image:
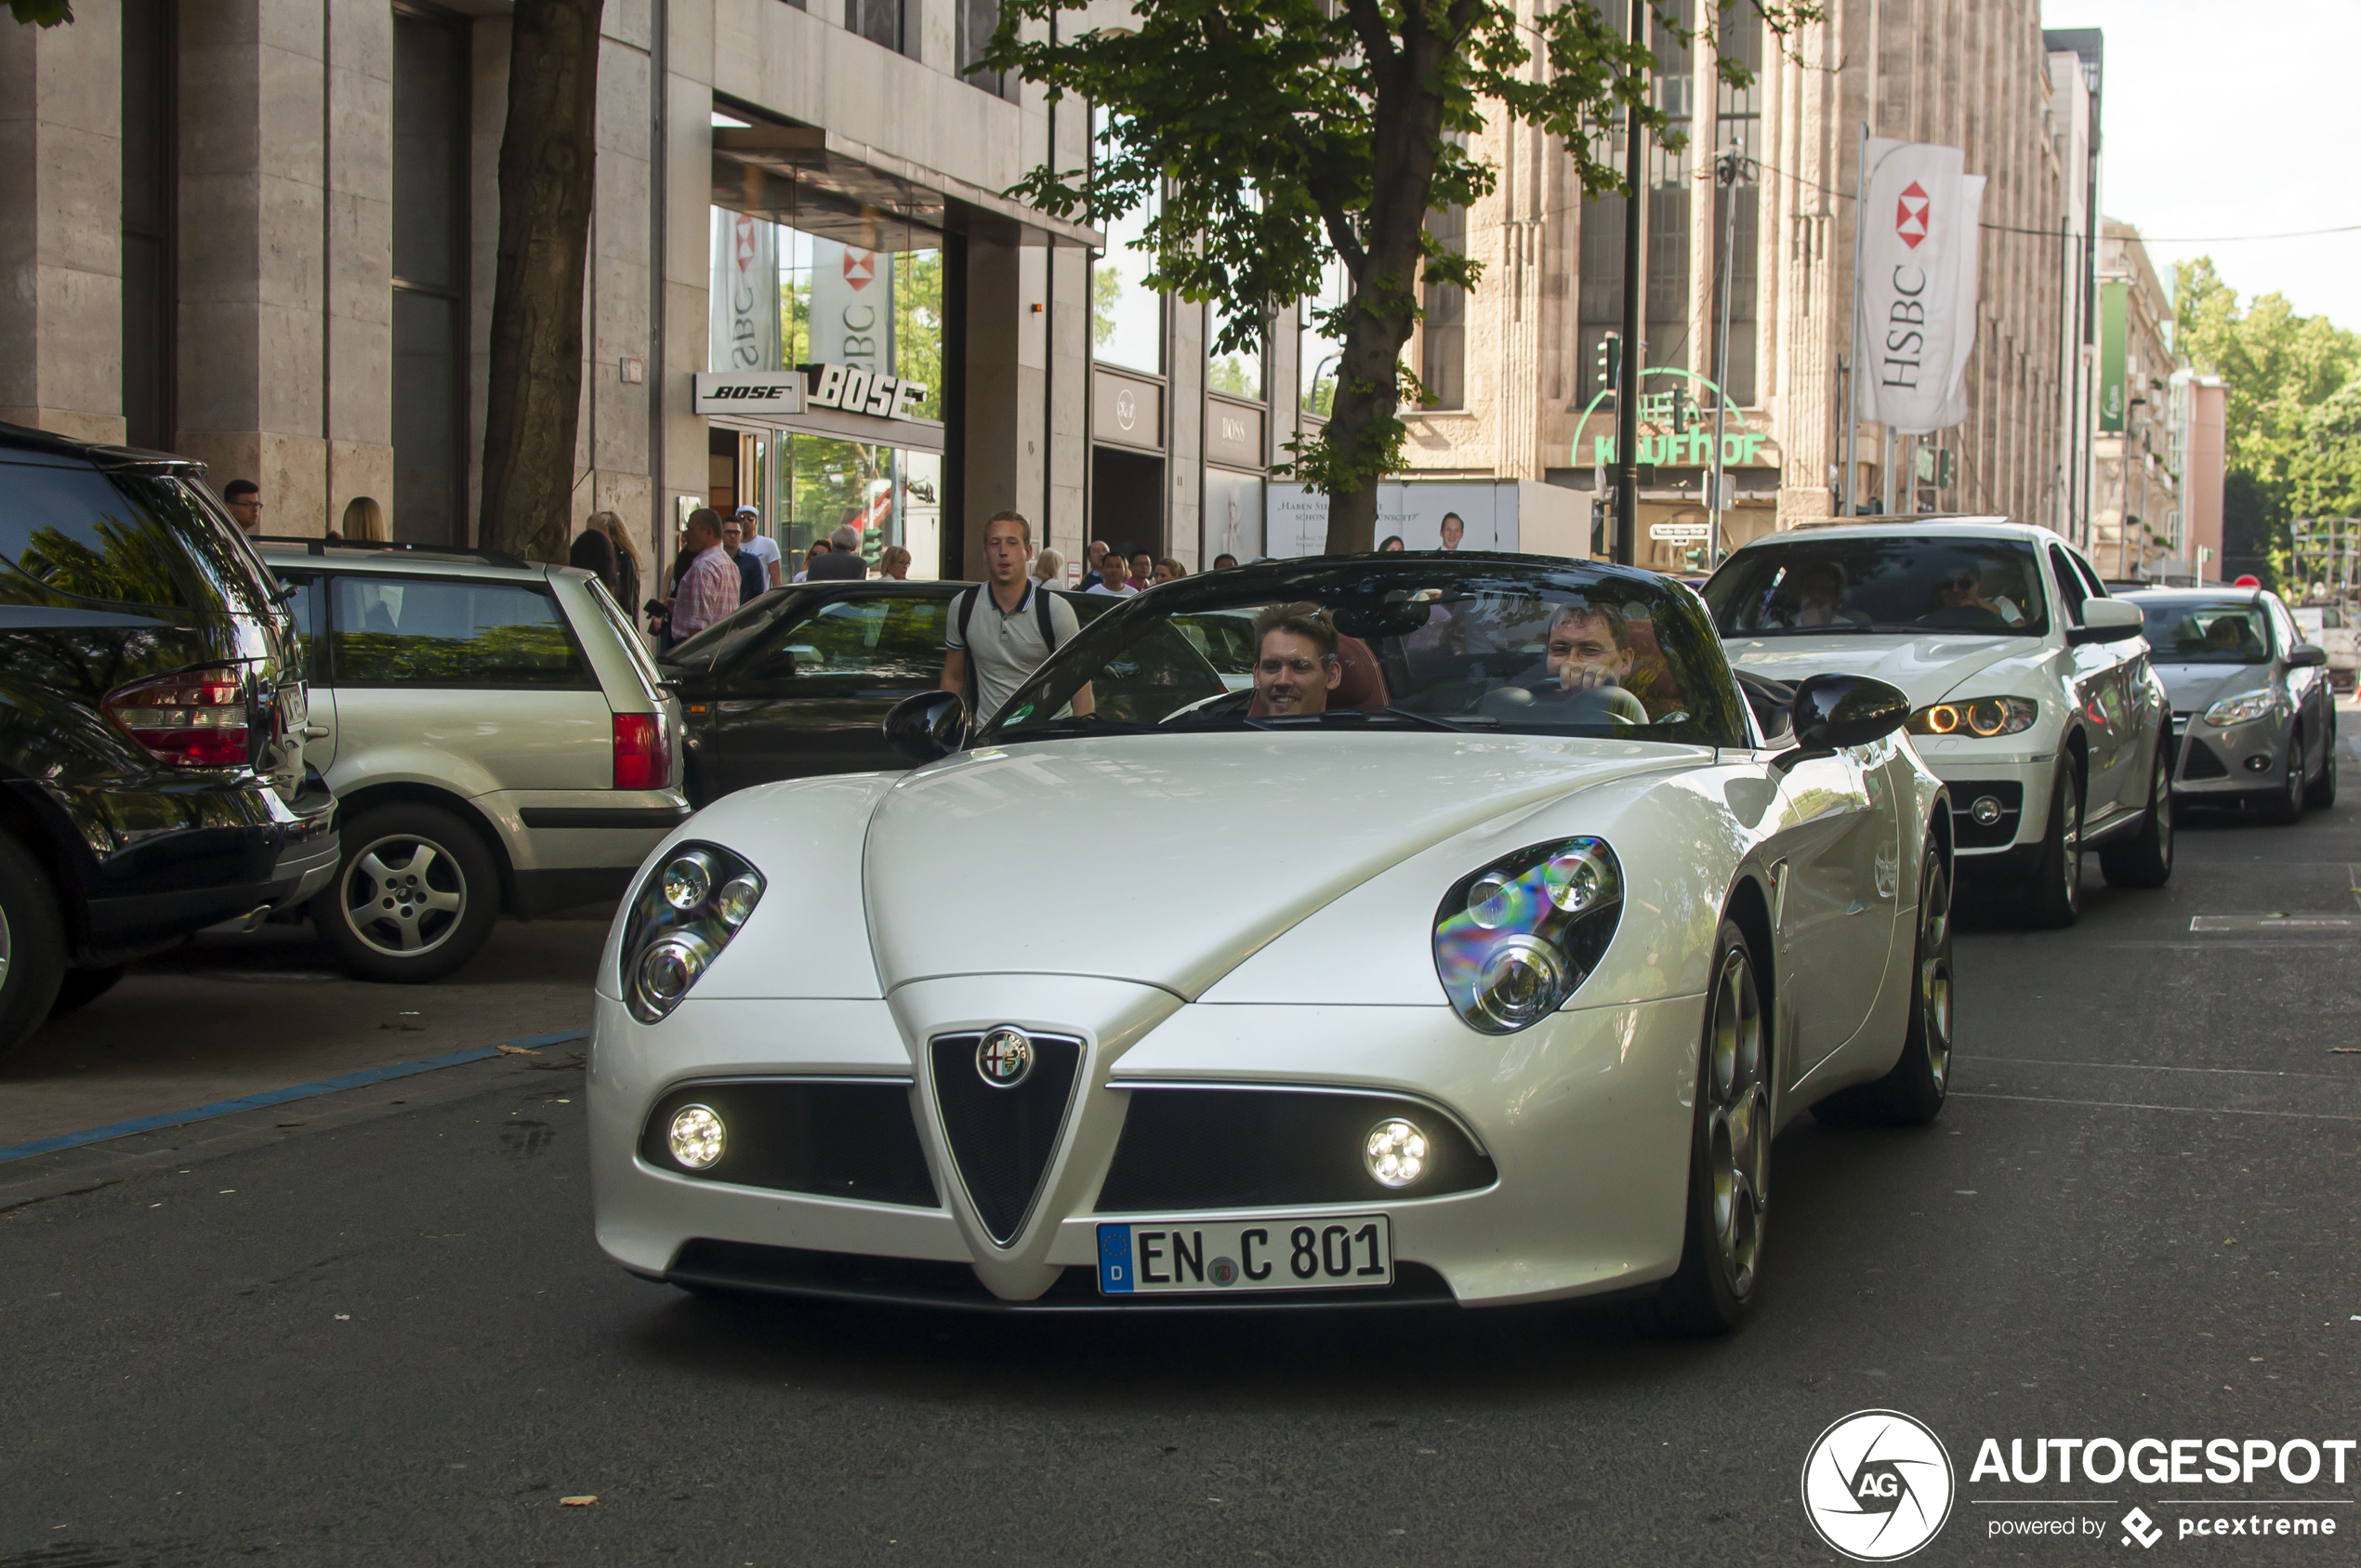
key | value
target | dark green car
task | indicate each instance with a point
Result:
(798, 680)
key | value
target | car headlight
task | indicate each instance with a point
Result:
(2243, 708)
(1981, 717)
(1513, 940)
(684, 914)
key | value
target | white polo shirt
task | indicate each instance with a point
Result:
(766, 550)
(1004, 647)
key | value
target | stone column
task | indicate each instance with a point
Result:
(62, 224)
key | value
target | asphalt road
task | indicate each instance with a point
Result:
(385, 1337)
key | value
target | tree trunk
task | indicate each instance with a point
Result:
(535, 399)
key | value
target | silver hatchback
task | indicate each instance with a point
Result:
(2251, 702)
(496, 737)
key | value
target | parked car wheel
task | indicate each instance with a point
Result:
(2284, 806)
(1730, 1154)
(2144, 860)
(414, 896)
(1912, 1094)
(82, 987)
(2054, 899)
(32, 945)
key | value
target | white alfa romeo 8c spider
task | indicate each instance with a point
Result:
(1370, 931)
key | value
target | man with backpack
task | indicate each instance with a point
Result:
(1001, 631)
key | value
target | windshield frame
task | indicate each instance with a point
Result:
(1716, 712)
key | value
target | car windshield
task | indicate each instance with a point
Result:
(1481, 643)
(2219, 633)
(699, 652)
(1802, 586)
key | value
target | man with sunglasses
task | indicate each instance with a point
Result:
(1963, 589)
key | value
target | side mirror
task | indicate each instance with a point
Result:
(930, 725)
(2307, 655)
(2106, 620)
(1830, 711)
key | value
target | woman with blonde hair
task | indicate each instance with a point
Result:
(894, 563)
(365, 522)
(629, 568)
(1049, 568)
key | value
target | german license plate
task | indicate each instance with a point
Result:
(1167, 1257)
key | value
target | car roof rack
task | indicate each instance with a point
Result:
(457, 552)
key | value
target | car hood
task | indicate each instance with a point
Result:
(2194, 688)
(1927, 668)
(1169, 860)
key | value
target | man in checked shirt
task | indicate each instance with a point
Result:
(709, 587)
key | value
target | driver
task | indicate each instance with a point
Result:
(1296, 666)
(1590, 646)
(1963, 589)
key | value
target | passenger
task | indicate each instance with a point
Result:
(1296, 665)
(1963, 589)
(1819, 597)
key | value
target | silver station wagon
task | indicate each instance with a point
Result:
(496, 736)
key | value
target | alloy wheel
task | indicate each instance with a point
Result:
(2161, 804)
(1737, 1121)
(4, 949)
(2070, 832)
(2295, 773)
(403, 895)
(1934, 975)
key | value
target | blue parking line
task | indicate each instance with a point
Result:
(278, 1096)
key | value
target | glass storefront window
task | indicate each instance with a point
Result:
(1237, 374)
(1320, 354)
(1233, 516)
(1127, 317)
(892, 495)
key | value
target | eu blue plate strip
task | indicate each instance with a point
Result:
(278, 1096)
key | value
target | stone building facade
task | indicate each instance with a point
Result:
(2147, 404)
(263, 232)
(1980, 77)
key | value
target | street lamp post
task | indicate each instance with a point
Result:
(1726, 169)
(1626, 396)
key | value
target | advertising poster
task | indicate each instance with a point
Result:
(1917, 296)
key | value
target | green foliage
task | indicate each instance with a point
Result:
(2294, 412)
(42, 13)
(1106, 287)
(918, 325)
(1284, 132)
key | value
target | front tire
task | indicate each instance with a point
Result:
(416, 895)
(2284, 806)
(1912, 1093)
(2322, 793)
(2145, 859)
(1730, 1154)
(32, 945)
(2054, 899)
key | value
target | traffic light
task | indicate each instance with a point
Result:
(1610, 362)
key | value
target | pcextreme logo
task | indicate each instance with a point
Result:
(1878, 1485)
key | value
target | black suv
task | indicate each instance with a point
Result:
(151, 723)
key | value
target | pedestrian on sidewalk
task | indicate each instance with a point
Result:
(756, 543)
(843, 561)
(749, 565)
(709, 584)
(1002, 630)
(243, 497)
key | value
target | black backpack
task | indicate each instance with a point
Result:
(1040, 614)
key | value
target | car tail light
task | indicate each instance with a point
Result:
(193, 720)
(643, 760)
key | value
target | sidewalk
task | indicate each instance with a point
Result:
(228, 1015)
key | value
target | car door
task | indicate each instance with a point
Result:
(2308, 692)
(305, 607)
(813, 698)
(2098, 675)
(1839, 839)
(430, 667)
(2148, 708)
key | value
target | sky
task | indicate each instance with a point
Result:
(2227, 118)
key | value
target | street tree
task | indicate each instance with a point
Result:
(42, 13)
(535, 393)
(1275, 134)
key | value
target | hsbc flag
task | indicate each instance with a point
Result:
(1917, 299)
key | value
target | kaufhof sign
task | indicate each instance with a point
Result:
(1879, 1484)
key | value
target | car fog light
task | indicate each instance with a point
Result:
(737, 899)
(1522, 979)
(686, 882)
(2259, 763)
(697, 1136)
(671, 967)
(1986, 811)
(1395, 1152)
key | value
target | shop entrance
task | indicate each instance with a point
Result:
(1127, 499)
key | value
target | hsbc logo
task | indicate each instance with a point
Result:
(1910, 214)
(860, 268)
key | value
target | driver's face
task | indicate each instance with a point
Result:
(1965, 587)
(1290, 677)
(1584, 642)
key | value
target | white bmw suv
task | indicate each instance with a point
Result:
(2031, 690)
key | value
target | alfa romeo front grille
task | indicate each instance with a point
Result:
(1003, 1137)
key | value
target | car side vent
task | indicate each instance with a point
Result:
(1003, 1128)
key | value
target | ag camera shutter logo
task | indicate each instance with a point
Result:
(1878, 1485)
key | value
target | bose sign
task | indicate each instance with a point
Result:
(749, 392)
(854, 389)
